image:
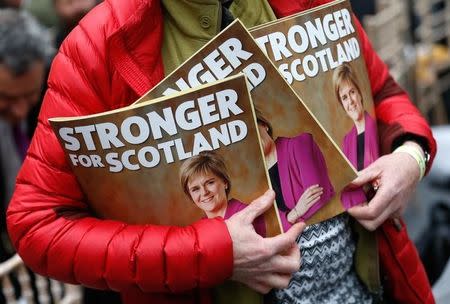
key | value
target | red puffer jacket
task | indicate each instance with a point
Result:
(108, 61)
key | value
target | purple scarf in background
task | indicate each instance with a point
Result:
(21, 139)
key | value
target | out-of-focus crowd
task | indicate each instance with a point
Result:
(413, 38)
(31, 32)
(27, 47)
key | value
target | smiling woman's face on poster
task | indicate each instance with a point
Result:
(208, 192)
(351, 100)
(206, 182)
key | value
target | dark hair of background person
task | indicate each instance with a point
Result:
(23, 41)
(69, 14)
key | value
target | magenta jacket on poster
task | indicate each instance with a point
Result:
(235, 206)
(301, 164)
(371, 151)
(349, 146)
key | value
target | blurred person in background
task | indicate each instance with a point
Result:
(44, 11)
(23, 55)
(70, 13)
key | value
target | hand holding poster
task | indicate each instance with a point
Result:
(307, 169)
(128, 160)
(318, 52)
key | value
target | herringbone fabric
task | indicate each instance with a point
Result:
(327, 274)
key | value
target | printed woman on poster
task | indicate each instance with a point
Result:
(298, 173)
(206, 182)
(360, 144)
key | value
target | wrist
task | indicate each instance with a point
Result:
(214, 250)
(293, 215)
(417, 153)
(419, 141)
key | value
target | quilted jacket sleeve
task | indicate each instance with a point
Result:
(396, 114)
(53, 228)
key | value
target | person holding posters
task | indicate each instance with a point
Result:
(120, 50)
